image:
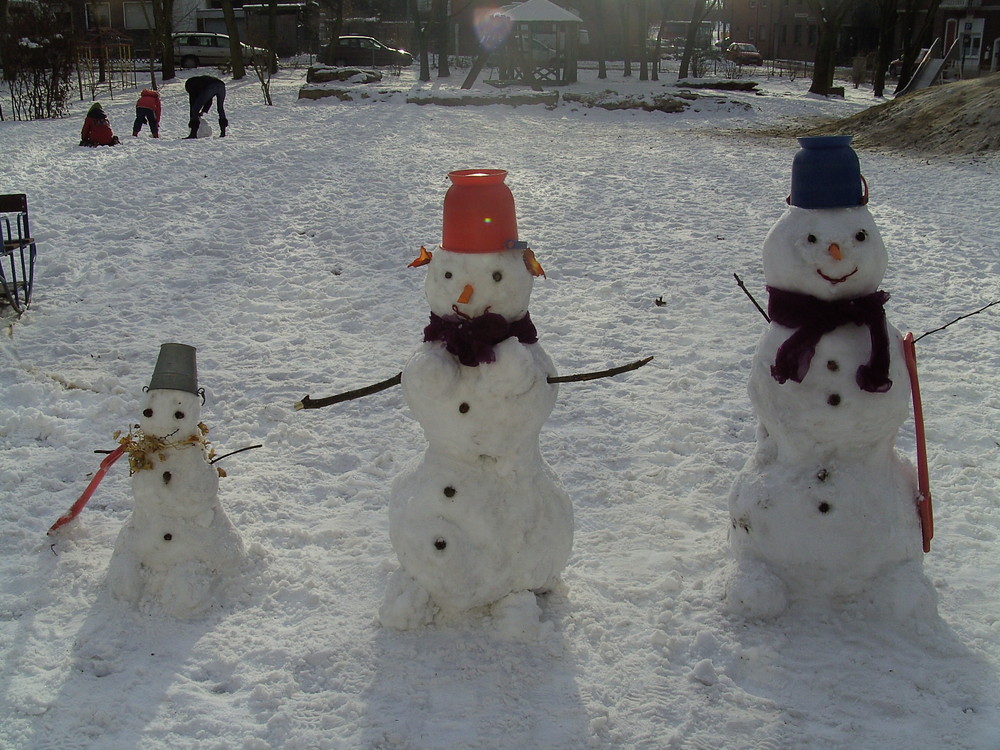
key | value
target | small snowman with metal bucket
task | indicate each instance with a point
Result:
(479, 520)
(825, 511)
(178, 551)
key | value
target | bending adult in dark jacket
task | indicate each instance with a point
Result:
(201, 90)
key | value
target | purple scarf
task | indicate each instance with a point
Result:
(472, 339)
(812, 318)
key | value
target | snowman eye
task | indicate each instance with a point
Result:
(861, 236)
(447, 274)
(497, 276)
(178, 415)
(147, 413)
(811, 238)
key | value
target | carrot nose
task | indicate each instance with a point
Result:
(466, 294)
(834, 251)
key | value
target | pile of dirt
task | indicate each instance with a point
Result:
(954, 118)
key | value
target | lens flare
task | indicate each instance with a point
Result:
(491, 29)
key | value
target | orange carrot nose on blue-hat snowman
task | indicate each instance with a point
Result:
(826, 174)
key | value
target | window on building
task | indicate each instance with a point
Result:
(797, 34)
(762, 33)
(813, 32)
(98, 15)
(139, 16)
(750, 34)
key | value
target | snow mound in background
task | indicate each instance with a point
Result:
(955, 118)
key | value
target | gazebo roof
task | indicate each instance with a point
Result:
(538, 10)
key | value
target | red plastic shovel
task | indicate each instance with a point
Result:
(924, 507)
(74, 511)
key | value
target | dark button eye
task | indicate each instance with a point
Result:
(811, 238)
(447, 274)
(178, 415)
(147, 413)
(861, 236)
(497, 276)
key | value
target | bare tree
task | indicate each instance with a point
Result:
(5, 38)
(887, 18)
(600, 38)
(235, 48)
(442, 36)
(420, 37)
(627, 44)
(700, 10)
(917, 21)
(162, 37)
(38, 64)
(643, 39)
(831, 18)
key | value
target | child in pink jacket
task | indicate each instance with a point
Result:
(147, 110)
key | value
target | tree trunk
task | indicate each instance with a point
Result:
(885, 52)
(4, 41)
(600, 40)
(442, 36)
(420, 37)
(697, 16)
(235, 50)
(831, 17)
(272, 36)
(644, 54)
(162, 38)
(914, 34)
(625, 17)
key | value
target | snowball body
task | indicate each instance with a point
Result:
(825, 510)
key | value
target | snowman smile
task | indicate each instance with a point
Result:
(837, 280)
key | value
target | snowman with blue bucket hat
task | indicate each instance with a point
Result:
(178, 553)
(825, 511)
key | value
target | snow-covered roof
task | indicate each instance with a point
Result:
(538, 10)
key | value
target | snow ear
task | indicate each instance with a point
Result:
(532, 264)
(423, 259)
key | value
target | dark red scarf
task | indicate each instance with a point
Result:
(472, 339)
(812, 318)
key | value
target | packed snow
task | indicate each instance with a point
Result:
(280, 253)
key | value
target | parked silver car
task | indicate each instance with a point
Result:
(193, 49)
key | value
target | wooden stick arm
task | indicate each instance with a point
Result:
(580, 377)
(368, 390)
(319, 403)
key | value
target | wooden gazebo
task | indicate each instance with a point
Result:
(541, 46)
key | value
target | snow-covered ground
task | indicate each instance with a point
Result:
(280, 252)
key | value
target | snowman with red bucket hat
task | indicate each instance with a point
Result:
(479, 521)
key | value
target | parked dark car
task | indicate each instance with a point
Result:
(743, 53)
(363, 51)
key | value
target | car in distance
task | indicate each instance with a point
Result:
(363, 51)
(743, 53)
(194, 49)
